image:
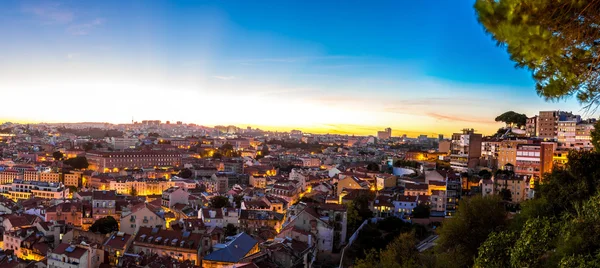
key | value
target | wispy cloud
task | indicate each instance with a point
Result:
(49, 12)
(84, 29)
(224, 77)
(448, 117)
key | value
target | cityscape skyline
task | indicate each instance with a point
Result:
(372, 73)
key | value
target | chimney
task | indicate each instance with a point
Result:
(212, 213)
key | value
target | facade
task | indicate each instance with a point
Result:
(351, 182)
(173, 196)
(104, 204)
(531, 126)
(548, 124)
(78, 214)
(142, 215)
(465, 150)
(116, 161)
(20, 189)
(384, 135)
(68, 256)
(181, 245)
(8, 176)
(534, 159)
(72, 179)
(49, 176)
(507, 153)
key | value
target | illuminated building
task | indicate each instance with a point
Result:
(116, 161)
(183, 245)
(20, 189)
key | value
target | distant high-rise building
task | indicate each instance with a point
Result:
(440, 137)
(384, 135)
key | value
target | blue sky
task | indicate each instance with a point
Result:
(324, 66)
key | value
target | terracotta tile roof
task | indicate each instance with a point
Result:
(76, 253)
(118, 240)
(104, 195)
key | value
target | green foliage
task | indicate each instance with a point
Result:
(105, 225)
(219, 202)
(534, 242)
(595, 135)
(421, 211)
(558, 41)
(57, 156)
(79, 162)
(461, 235)
(495, 251)
(576, 183)
(230, 230)
(400, 253)
(512, 118)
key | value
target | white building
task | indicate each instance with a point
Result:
(142, 215)
(20, 189)
(68, 256)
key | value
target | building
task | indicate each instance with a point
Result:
(531, 126)
(173, 196)
(444, 146)
(49, 176)
(116, 161)
(325, 224)
(142, 215)
(181, 245)
(351, 182)
(78, 214)
(20, 189)
(516, 184)
(236, 252)
(384, 135)
(122, 143)
(68, 256)
(251, 221)
(548, 124)
(534, 159)
(71, 179)
(507, 152)
(8, 176)
(104, 204)
(116, 246)
(465, 150)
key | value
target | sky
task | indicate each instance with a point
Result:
(349, 67)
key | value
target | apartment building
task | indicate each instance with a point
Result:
(68, 256)
(534, 159)
(173, 196)
(531, 126)
(78, 214)
(507, 152)
(142, 215)
(104, 204)
(465, 150)
(20, 189)
(116, 161)
(49, 176)
(182, 245)
(548, 124)
(8, 176)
